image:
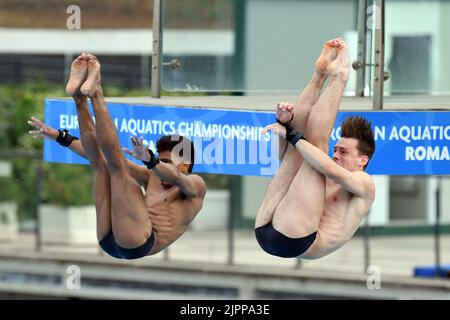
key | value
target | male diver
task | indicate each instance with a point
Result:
(130, 224)
(314, 204)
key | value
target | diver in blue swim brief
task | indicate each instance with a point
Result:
(131, 223)
(314, 203)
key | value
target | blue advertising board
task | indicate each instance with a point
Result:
(229, 141)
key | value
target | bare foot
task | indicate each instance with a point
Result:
(328, 54)
(284, 112)
(93, 83)
(78, 74)
(340, 67)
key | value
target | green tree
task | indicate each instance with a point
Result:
(61, 184)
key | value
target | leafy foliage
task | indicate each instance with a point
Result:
(60, 184)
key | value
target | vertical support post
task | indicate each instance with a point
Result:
(437, 244)
(239, 64)
(68, 58)
(145, 71)
(157, 49)
(37, 201)
(234, 209)
(230, 224)
(166, 254)
(362, 45)
(378, 81)
(366, 244)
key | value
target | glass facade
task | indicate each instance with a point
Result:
(259, 46)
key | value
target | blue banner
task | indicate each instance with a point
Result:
(229, 141)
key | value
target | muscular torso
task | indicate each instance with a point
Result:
(169, 211)
(341, 218)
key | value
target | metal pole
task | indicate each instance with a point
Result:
(298, 263)
(145, 71)
(238, 65)
(366, 244)
(157, 49)
(166, 254)
(234, 188)
(362, 45)
(37, 201)
(68, 58)
(378, 81)
(437, 235)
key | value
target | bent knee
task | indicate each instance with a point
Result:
(318, 142)
(117, 166)
(99, 166)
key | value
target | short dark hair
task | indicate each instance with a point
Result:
(361, 129)
(169, 142)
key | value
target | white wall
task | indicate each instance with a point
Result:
(445, 200)
(284, 39)
(444, 48)
(379, 212)
(214, 213)
(115, 42)
(253, 190)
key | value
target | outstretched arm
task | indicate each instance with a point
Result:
(46, 132)
(139, 173)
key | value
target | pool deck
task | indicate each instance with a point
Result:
(201, 258)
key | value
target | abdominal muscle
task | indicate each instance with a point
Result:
(328, 239)
(338, 224)
(167, 224)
